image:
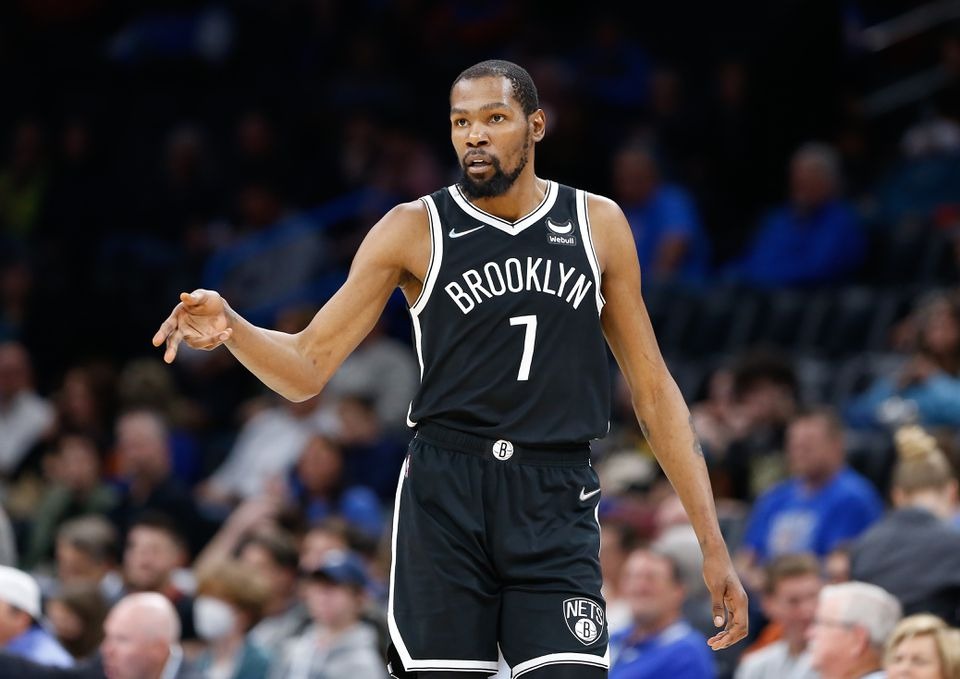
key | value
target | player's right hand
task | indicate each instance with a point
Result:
(200, 320)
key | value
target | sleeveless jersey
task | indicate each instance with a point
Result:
(507, 326)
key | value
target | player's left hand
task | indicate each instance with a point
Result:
(729, 600)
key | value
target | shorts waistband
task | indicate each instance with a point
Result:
(503, 449)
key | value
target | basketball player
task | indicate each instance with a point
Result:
(513, 283)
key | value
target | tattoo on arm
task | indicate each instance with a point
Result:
(697, 448)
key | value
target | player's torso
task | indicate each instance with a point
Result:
(507, 326)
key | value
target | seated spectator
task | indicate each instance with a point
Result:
(926, 389)
(76, 614)
(273, 553)
(25, 417)
(265, 449)
(338, 644)
(143, 450)
(659, 643)
(142, 639)
(87, 551)
(372, 456)
(852, 623)
(671, 242)
(230, 599)
(155, 555)
(319, 489)
(922, 646)
(791, 588)
(917, 531)
(20, 630)
(814, 239)
(821, 505)
(77, 489)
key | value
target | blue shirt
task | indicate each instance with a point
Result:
(803, 249)
(789, 518)
(678, 652)
(38, 645)
(670, 212)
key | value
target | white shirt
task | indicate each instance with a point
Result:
(775, 661)
(22, 424)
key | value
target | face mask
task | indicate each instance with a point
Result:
(213, 618)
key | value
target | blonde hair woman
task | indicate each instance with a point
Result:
(923, 647)
(913, 552)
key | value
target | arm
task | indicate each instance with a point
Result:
(297, 366)
(662, 413)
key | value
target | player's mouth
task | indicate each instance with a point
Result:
(477, 164)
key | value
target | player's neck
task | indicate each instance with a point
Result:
(520, 199)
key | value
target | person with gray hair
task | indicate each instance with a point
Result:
(815, 237)
(852, 624)
(142, 639)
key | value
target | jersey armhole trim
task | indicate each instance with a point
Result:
(436, 256)
(583, 216)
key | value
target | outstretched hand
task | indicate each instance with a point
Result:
(200, 320)
(729, 601)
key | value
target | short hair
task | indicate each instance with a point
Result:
(675, 569)
(761, 366)
(789, 566)
(279, 544)
(158, 521)
(93, 536)
(524, 90)
(921, 465)
(868, 606)
(824, 413)
(236, 583)
(946, 640)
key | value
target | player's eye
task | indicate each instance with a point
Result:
(497, 118)
(460, 122)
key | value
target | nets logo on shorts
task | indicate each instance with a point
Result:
(584, 619)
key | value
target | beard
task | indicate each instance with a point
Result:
(496, 185)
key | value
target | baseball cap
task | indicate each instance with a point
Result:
(20, 590)
(341, 568)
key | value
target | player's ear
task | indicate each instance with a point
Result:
(538, 124)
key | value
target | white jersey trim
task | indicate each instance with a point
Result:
(436, 257)
(513, 228)
(563, 659)
(583, 216)
(409, 663)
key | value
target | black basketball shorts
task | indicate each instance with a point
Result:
(495, 545)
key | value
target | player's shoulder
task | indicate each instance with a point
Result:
(402, 221)
(603, 210)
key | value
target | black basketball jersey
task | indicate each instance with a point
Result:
(507, 327)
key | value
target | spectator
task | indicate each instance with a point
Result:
(671, 242)
(76, 614)
(153, 559)
(338, 644)
(144, 454)
(658, 643)
(20, 630)
(23, 183)
(87, 550)
(274, 555)
(230, 600)
(922, 646)
(816, 238)
(917, 531)
(852, 624)
(77, 489)
(25, 417)
(821, 505)
(926, 389)
(791, 588)
(142, 640)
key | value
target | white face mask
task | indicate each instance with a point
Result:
(213, 618)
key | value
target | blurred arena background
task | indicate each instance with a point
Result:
(791, 172)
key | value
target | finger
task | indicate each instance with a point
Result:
(195, 298)
(173, 341)
(166, 328)
(209, 341)
(737, 619)
(719, 610)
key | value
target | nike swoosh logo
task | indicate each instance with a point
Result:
(584, 495)
(456, 234)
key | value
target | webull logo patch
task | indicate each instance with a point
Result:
(556, 239)
(585, 619)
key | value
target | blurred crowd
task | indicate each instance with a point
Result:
(801, 260)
